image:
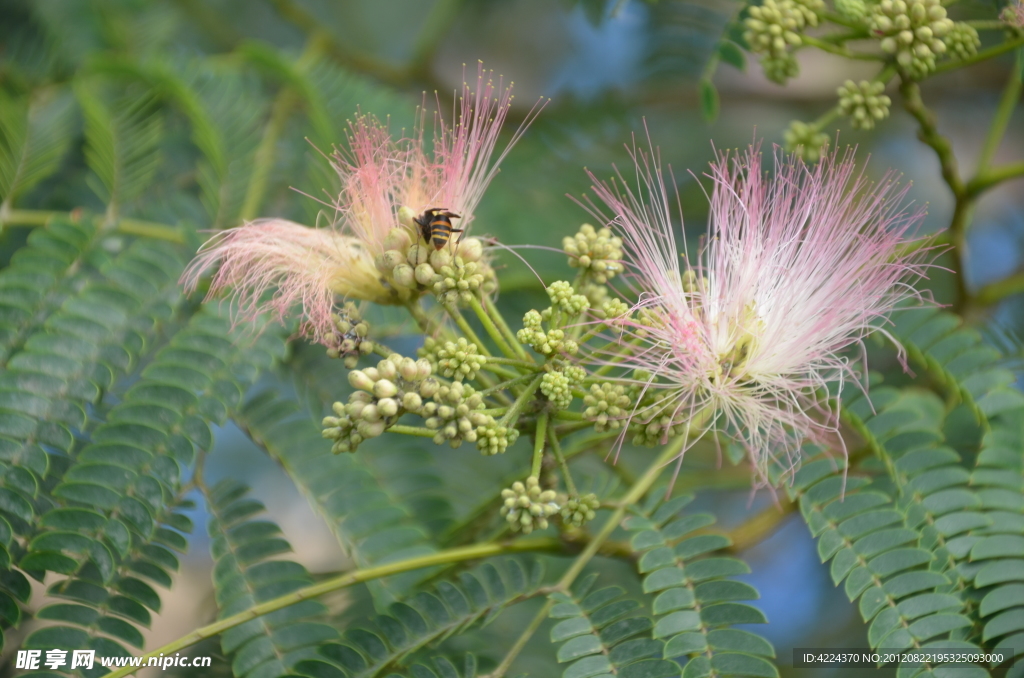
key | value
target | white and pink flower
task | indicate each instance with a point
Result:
(796, 269)
(274, 265)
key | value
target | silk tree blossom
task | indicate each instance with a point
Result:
(796, 269)
(454, 172)
(274, 265)
(1013, 15)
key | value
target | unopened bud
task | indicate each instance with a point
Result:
(406, 215)
(429, 387)
(404, 275)
(385, 389)
(412, 401)
(398, 238)
(440, 258)
(407, 368)
(424, 274)
(471, 249)
(359, 379)
(388, 407)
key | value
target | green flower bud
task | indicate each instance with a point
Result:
(440, 258)
(429, 387)
(607, 405)
(962, 41)
(385, 389)
(407, 216)
(398, 238)
(864, 102)
(471, 249)
(596, 252)
(387, 261)
(806, 141)
(404, 276)
(851, 9)
(527, 507)
(580, 510)
(359, 379)
(418, 254)
(913, 31)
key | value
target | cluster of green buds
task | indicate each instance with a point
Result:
(557, 385)
(455, 413)
(597, 253)
(577, 511)
(350, 339)
(774, 28)
(526, 507)
(805, 140)
(612, 309)
(851, 9)
(962, 41)
(912, 31)
(565, 305)
(454, 274)
(383, 394)
(495, 438)
(607, 405)
(459, 360)
(864, 102)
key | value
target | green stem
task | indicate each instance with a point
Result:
(635, 493)
(986, 180)
(1007, 102)
(426, 325)
(517, 407)
(460, 321)
(492, 330)
(508, 383)
(929, 134)
(585, 444)
(417, 431)
(538, 444)
(349, 579)
(841, 51)
(503, 327)
(556, 448)
(999, 290)
(146, 229)
(497, 360)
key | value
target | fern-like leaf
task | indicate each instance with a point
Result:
(696, 600)
(95, 336)
(129, 475)
(376, 649)
(897, 542)
(247, 572)
(372, 524)
(122, 144)
(959, 360)
(996, 566)
(598, 632)
(34, 135)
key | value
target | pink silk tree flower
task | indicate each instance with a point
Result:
(459, 165)
(797, 268)
(1013, 15)
(274, 265)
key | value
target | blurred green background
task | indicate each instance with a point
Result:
(606, 66)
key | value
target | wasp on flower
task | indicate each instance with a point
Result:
(797, 268)
(374, 249)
